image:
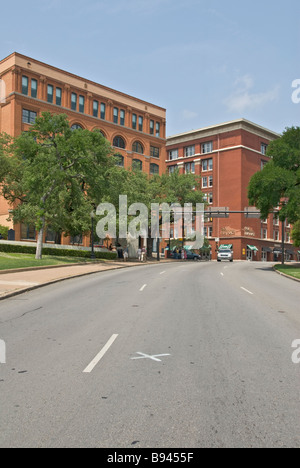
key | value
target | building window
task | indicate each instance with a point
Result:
(119, 160)
(172, 169)
(157, 129)
(102, 111)
(210, 181)
(76, 127)
(263, 164)
(141, 124)
(190, 168)
(50, 235)
(58, 96)
(95, 108)
(204, 182)
(207, 165)
(137, 164)
(264, 234)
(50, 92)
(264, 148)
(119, 142)
(137, 147)
(76, 240)
(189, 151)
(207, 147)
(288, 237)
(28, 116)
(210, 198)
(276, 235)
(74, 101)
(173, 154)
(28, 232)
(151, 127)
(154, 169)
(116, 115)
(134, 121)
(276, 221)
(34, 88)
(25, 85)
(154, 152)
(122, 118)
(81, 104)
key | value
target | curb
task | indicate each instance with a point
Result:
(285, 275)
(42, 285)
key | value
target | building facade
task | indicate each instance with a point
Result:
(226, 156)
(136, 129)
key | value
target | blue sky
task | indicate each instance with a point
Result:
(206, 62)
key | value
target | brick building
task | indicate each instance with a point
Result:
(226, 156)
(136, 129)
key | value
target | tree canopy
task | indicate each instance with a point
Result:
(278, 184)
(53, 176)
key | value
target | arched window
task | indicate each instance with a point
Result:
(154, 169)
(119, 160)
(76, 127)
(119, 142)
(137, 164)
(99, 131)
(137, 147)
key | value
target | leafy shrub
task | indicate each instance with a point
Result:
(12, 248)
(3, 232)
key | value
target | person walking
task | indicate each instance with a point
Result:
(144, 256)
(182, 254)
(139, 254)
(126, 254)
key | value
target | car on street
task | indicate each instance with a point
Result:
(190, 255)
(225, 254)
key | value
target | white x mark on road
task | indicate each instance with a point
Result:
(147, 356)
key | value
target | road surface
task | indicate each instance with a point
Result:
(163, 356)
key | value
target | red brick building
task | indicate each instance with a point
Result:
(136, 129)
(226, 156)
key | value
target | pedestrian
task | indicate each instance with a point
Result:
(139, 254)
(126, 254)
(182, 254)
(144, 256)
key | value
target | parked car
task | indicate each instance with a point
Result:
(192, 256)
(225, 254)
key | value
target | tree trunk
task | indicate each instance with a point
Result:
(39, 248)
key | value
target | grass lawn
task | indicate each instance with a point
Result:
(291, 270)
(9, 261)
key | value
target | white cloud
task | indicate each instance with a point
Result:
(243, 99)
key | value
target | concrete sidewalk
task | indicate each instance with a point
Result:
(17, 282)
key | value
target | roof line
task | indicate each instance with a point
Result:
(224, 124)
(17, 54)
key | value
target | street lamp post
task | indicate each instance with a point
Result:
(282, 242)
(93, 215)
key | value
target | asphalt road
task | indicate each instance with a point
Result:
(193, 355)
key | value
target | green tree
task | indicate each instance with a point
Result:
(54, 176)
(278, 184)
(140, 188)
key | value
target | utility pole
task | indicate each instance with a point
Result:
(282, 242)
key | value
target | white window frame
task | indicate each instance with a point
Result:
(207, 147)
(189, 151)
